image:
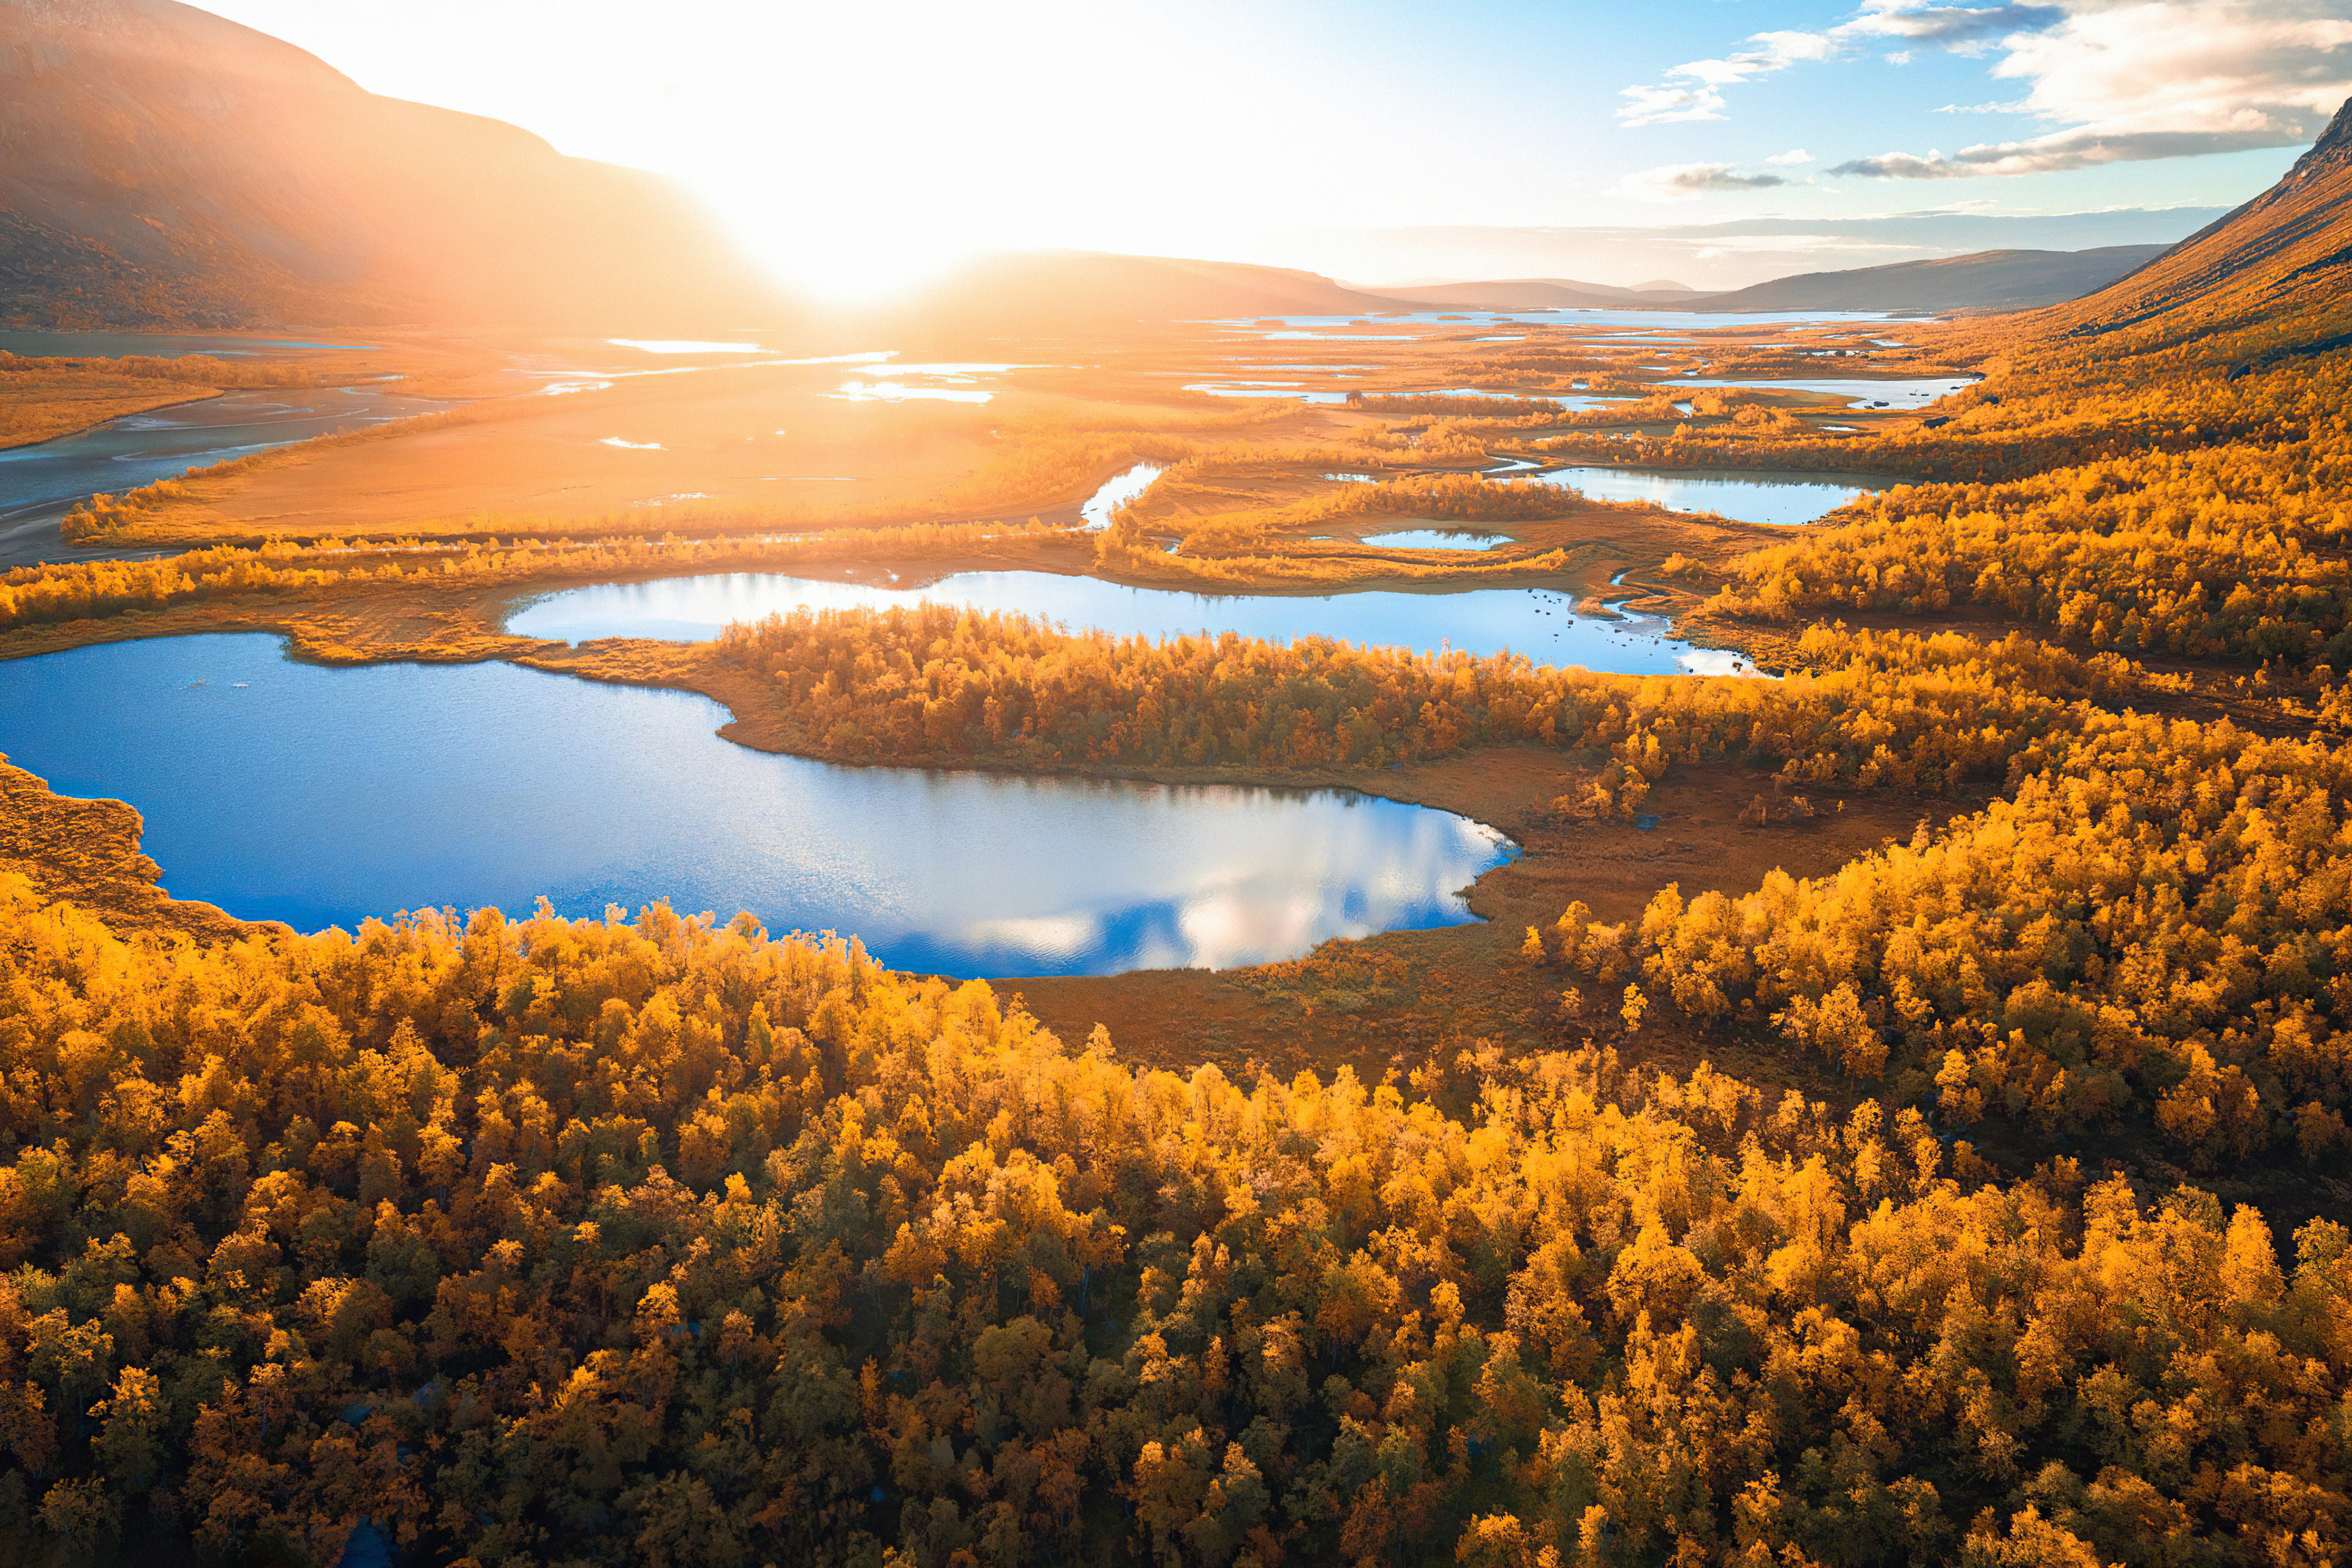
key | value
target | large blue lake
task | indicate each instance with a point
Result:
(318, 797)
(1538, 622)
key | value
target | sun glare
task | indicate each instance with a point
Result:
(840, 265)
(859, 158)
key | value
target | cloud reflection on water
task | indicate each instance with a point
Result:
(319, 796)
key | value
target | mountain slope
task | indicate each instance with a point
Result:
(2275, 276)
(1988, 279)
(159, 164)
(1051, 292)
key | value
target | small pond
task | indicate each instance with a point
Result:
(1116, 492)
(1435, 539)
(1538, 622)
(1782, 498)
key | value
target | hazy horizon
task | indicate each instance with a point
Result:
(857, 155)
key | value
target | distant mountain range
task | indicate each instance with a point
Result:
(164, 166)
(1988, 280)
(1083, 292)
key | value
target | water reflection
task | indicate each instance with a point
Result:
(1539, 622)
(1435, 539)
(317, 796)
(1783, 500)
(1117, 491)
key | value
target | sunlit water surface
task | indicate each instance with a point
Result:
(1538, 622)
(1435, 539)
(1783, 500)
(165, 443)
(318, 797)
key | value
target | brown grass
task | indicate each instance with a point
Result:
(1404, 998)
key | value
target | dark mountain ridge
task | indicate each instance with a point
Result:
(2275, 276)
(159, 164)
(1985, 280)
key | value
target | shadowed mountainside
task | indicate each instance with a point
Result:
(162, 165)
(1986, 281)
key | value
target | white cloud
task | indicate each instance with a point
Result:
(2142, 79)
(1664, 105)
(1961, 29)
(1685, 182)
(1793, 156)
(1771, 52)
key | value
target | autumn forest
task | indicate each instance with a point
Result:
(1892, 1105)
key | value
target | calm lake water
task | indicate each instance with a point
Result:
(1536, 622)
(1782, 498)
(317, 796)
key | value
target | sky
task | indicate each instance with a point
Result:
(860, 149)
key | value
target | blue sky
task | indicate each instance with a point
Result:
(859, 148)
